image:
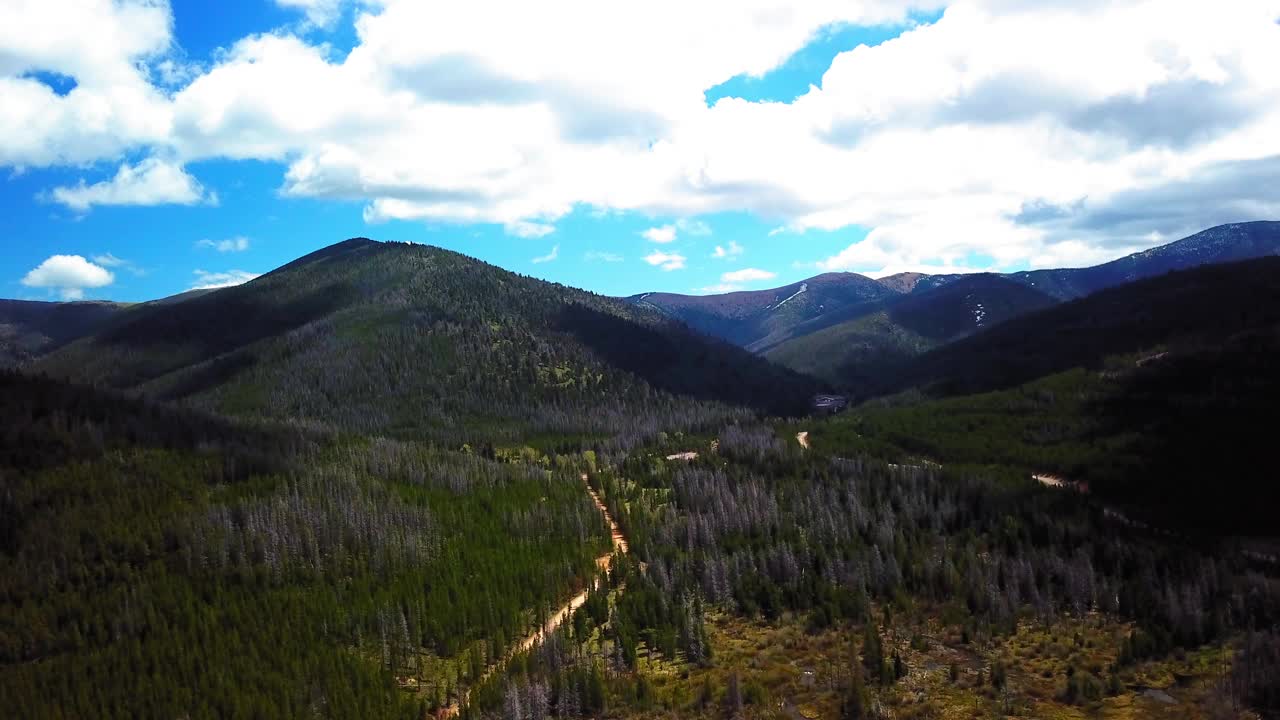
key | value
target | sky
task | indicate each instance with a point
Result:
(150, 147)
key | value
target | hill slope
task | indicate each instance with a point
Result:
(864, 342)
(1199, 307)
(1221, 244)
(758, 319)
(30, 329)
(849, 313)
(414, 340)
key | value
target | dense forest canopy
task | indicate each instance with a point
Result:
(416, 341)
(355, 488)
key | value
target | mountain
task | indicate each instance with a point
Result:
(29, 329)
(855, 333)
(1221, 244)
(1153, 395)
(757, 319)
(1201, 307)
(412, 473)
(414, 340)
(903, 282)
(861, 344)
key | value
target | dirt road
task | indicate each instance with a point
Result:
(619, 544)
(553, 623)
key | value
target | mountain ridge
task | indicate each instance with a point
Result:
(402, 338)
(1222, 243)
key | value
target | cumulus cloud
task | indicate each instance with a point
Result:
(934, 142)
(105, 48)
(662, 234)
(150, 182)
(206, 280)
(230, 245)
(747, 275)
(718, 288)
(666, 261)
(555, 253)
(726, 252)
(70, 275)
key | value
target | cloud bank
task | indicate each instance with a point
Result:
(1004, 133)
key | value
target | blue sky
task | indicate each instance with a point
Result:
(623, 150)
(163, 248)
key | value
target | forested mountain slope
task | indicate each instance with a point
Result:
(29, 329)
(843, 328)
(413, 340)
(1154, 395)
(1202, 307)
(862, 343)
(757, 319)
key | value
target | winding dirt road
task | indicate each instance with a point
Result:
(604, 562)
(553, 623)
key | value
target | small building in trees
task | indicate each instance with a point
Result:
(829, 404)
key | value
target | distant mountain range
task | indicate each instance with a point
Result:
(760, 319)
(847, 328)
(239, 347)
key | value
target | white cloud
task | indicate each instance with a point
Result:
(527, 229)
(600, 256)
(206, 280)
(150, 182)
(230, 245)
(747, 275)
(109, 260)
(662, 234)
(321, 13)
(71, 275)
(666, 261)
(725, 252)
(693, 227)
(104, 46)
(555, 253)
(935, 141)
(718, 289)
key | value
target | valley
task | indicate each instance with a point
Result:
(437, 489)
(857, 360)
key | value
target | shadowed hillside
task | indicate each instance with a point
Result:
(30, 329)
(402, 339)
(758, 319)
(865, 342)
(1198, 307)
